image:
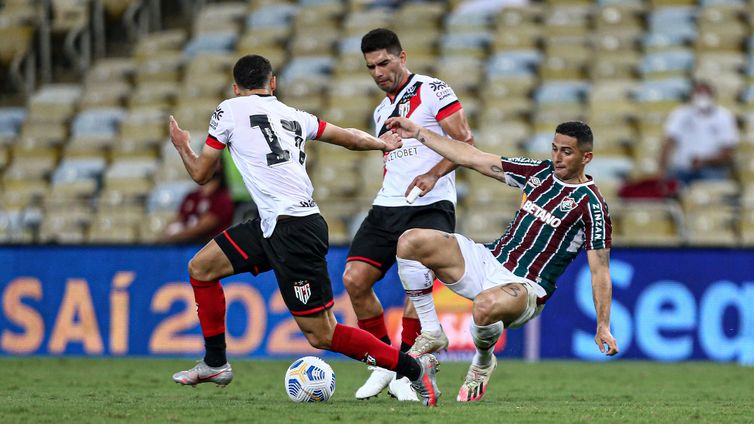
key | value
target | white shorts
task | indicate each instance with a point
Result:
(482, 271)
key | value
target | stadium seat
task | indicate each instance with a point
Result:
(54, 103)
(227, 15)
(712, 226)
(648, 223)
(213, 42)
(99, 122)
(158, 43)
(11, 119)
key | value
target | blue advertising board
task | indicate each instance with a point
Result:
(109, 300)
(668, 305)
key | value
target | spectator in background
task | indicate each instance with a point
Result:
(699, 139)
(203, 214)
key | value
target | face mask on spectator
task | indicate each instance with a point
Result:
(702, 102)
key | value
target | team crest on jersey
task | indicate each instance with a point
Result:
(303, 291)
(404, 109)
(534, 182)
(567, 204)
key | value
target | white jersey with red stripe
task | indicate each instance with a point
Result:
(266, 141)
(426, 101)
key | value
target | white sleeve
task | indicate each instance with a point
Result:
(220, 126)
(729, 131)
(673, 126)
(441, 99)
(312, 126)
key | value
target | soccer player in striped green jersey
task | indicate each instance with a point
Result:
(510, 280)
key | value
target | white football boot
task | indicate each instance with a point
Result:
(203, 373)
(376, 383)
(401, 389)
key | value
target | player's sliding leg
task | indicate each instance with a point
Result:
(493, 309)
(359, 277)
(483, 363)
(323, 332)
(205, 270)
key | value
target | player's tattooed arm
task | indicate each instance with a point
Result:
(497, 172)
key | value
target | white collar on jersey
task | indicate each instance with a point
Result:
(590, 181)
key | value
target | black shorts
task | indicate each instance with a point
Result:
(376, 241)
(295, 251)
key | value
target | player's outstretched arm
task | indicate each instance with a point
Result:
(602, 293)
(200, 167)
(353, 139)
(458, 152)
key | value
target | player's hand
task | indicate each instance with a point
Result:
(602, 338)
(179, 137)
(426, 182)
(392, 141)
(404, 127)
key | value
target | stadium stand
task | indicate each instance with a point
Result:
(88, 84)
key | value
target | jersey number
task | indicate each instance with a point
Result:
(278, 155)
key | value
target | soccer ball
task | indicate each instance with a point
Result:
(309, 379)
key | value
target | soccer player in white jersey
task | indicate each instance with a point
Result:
(430, 103)
(266, 139)
(509, 280)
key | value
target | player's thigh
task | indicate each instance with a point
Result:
(210, 263)
(297, 252)
(242, 246)
(437, 250)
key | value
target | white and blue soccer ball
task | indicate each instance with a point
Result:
(309, 379)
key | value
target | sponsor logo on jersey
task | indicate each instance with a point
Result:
(441, 89)
(541, 214)
(534, 182)
(401, 153)
(217, 114)
(598, 221)
(524, 161)
(307, 203)
(303, 291)
(567, 204)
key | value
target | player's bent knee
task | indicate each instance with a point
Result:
(356, 282)
(200, 269)
(410, 243)
(483, 310)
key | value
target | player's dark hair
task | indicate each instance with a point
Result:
(252, 71)
(580, 131)
(381, 38)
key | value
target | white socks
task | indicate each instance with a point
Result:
(417, 281)
(485, 338)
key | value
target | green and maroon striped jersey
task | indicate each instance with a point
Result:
(555, 221)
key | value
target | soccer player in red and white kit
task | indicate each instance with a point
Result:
(509, 280)
(266, 139)
(430, 103)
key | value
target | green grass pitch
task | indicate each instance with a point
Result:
(82, 390)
